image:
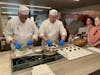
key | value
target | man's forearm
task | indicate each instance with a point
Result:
(44, 38)
(63, 37)
(12, 41)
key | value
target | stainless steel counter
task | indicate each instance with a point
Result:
(5, 63)
(81, 66)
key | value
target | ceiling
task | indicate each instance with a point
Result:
(57, 4)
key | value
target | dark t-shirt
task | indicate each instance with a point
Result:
(74, 26)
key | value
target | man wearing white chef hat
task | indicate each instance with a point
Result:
(51, 28)
(21, 30)
(24, 10)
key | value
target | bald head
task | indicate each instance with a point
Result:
(76, 17)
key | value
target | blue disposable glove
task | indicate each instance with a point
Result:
(29, 43)
(61, 43)
(17, 45)
(49, 42)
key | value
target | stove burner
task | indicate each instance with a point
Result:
(30, 61)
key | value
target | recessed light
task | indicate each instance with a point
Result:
(76, 0)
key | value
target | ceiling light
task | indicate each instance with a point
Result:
(9, 12)
(15, 8)
(76, 0)
(8, 8)
(36, 9)
(32, 6)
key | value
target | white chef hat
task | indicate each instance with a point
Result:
(53, 12)
(23, 10)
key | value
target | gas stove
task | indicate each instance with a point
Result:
(30, 61)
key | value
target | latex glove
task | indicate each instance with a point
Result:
(17, 45)
(29, 43)
(49, 42)
(61, 43)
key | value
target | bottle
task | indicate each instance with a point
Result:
(3, 42)
(70, 39)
